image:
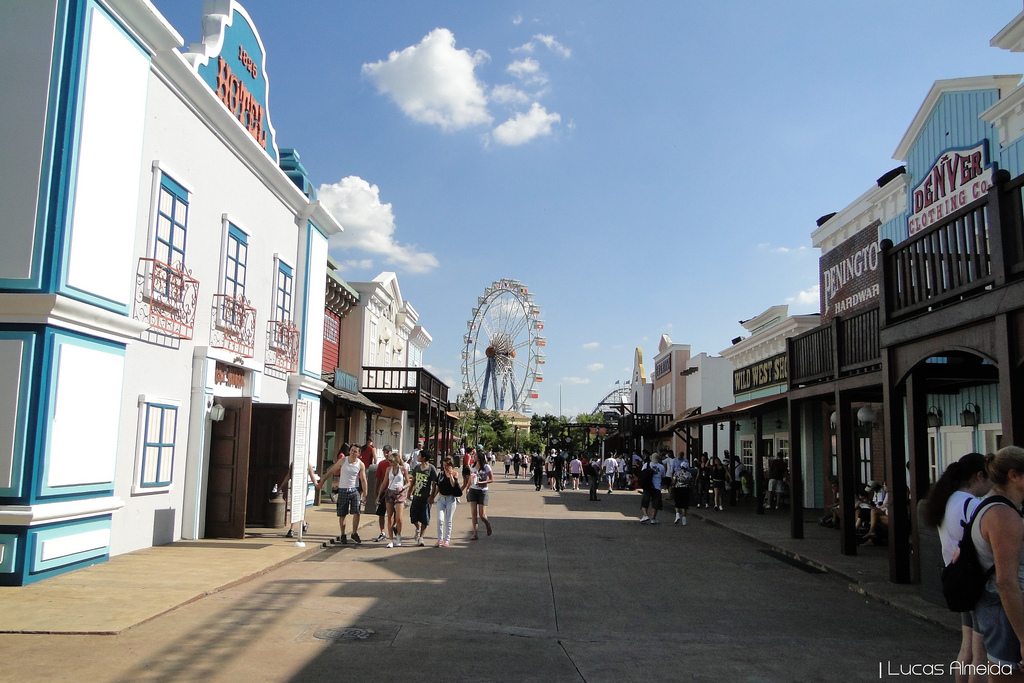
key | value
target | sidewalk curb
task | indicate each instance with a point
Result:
(312, 549)
(853, 584)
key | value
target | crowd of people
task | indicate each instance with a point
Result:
(398, 486)
(982, 493)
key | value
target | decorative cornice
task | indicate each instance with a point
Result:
(61, 311)
(44, 513)
(1004, 84)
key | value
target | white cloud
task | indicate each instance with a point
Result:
(594, 367)
(527, 69)
(526, 126)
(433, 82)
(808, 298)
(517, 19)
(554, 45)
(353, 264)
(591, 345)
(525, 47)
(508, 94)
(369, 224)
(767, 246)
(576, 380)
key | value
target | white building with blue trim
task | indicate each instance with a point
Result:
(162, 264)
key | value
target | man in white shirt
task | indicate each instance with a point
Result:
(611, 471)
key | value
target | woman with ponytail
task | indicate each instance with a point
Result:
(999, 539)
(952, 501)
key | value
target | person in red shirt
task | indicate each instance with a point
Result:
(381, 477)
(368, 454)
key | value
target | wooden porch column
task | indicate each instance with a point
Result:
(796, 473)
(847, 474)
(1009, 387)
(759, 480)
(903, 497)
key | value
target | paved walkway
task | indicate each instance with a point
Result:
(131, 589)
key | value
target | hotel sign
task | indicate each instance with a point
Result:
(958, 177)
(234, 66)
(765, 373)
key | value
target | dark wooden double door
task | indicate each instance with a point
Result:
(249, 453)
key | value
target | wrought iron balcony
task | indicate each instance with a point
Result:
(234, 325)
(166, 298)
(283, 345)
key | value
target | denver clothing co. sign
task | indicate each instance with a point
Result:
(765, 373)
(958, 178)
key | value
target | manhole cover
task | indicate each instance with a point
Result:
(342, 634)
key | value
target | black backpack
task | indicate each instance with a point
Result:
(646, 477)
(964, 579)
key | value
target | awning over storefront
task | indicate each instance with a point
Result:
(741, 409)
(678, 422)
(358, 400)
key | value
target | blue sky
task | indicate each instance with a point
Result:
(644, 168)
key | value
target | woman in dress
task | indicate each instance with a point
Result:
(951, 502)
(480, 476)
(447, 491)
(999, 538)
(398, 483)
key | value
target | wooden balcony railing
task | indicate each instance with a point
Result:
(851, 342)
(166, 298)
(234, 325)
(941, 264)
(403, 380)
(644, 424)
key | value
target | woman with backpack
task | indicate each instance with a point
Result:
(950, 505)
(999, 539)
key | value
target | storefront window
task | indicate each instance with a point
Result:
(747, 453)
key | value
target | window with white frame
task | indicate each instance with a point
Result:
(283, 292)
(235, 263)
(747, 453)
(236, 258)
(864, 459)
(171, 223)
(158, 423)
(332, 328)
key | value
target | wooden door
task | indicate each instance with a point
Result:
(229, 470)
(269, 457)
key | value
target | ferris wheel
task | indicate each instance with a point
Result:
(503, 356)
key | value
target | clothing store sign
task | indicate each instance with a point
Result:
(765, 373)
(958, 177)
(848, 274)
